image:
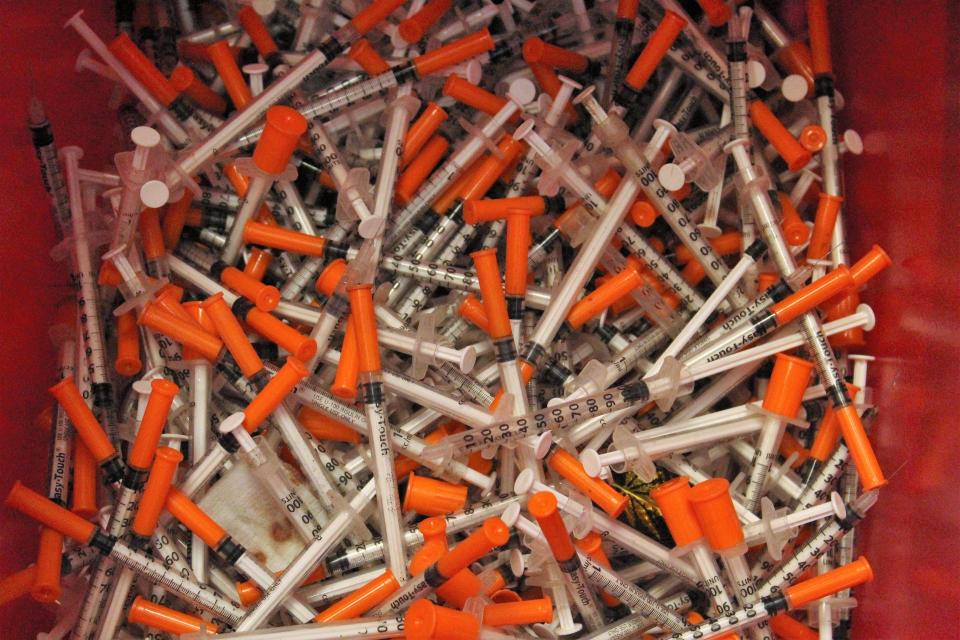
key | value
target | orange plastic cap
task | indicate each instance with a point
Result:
(264, 296)
(477, 211)
(462, 585)
(472, 309)
(270, 397)
(813, 138)
(17, 584)
(286, 239)
(375, 13)
(162, 393)
(861, 451)
(717, 11)
(223, 57)
(673, 498)
(362, 600)
(828, 208)
(818, 24)
(184, 80)
(413, 28)
(792, 152)
(85, 423)
(323, 427)
(279, 139)
(536, 51)
(795, 231)
(46, 585)
(473, 96)
(846, 577)
(517, 247)
(300, 346)
(656, 48)
(83, 498)
(183, 331)
(543, 507)
(257, 264)
(330, 277)
(361, 308)
(602, 494)
(713, 507)
(815, 293)
(434, 531)
(604, 296)
(363, 53)
(49, 513)
(766, 280)
(788, 628)
(233, 335)
(419, 168)
(128, 360)
(872, 263)
(348, 368)
(194, 518)
(155, 491)
(151, 235)
(491, 534)
(253, 24)
(643, 213)
(157, 616)
(142, 69)
(454, 53)
(627, 9)
(788, 381)
(535, 611)
(494, 302)
(427, 621)
(421, 131)
(430, 497)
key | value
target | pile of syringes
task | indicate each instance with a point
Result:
(456, 320)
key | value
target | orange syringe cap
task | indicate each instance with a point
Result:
(223, 57)
(127, 362)
(427, 621)
(344, 384)
(818, 24)
(375, 13)
(459, 587)
(788, 628)
(477, 211)
(766, 280)
(417, 171)
(355, 604)
(157, 616)
(143, 69)
(873, 262)
(17, 584)
(289, 339)
(155, 491)
(627, 9)
(793, 153)
(485, 174)
(257, 264)
(430, 497)
(83, 420)
(361, 308)
(713, 508)
(434, 531)
(724, 245)
(259, 34)
(673, 499)
(46, 584)
(194, 518)
(471, 95)
(280, 138)
(200, 317)
(151, 235)
(49, 513)
(538, 610)
(604, 296)
(795, 231)
(846, 577)
(861, 451)
(592, 545)
(330, 276)
(517, 248)
(813, 138)
(821, 239)
(264, 296)
(656, 48)
(494, 302)
(363, 53)
(536, 51)
(454, 53)
(162, 393)
(472, 309)
(233, 335)
(544, 508)
(828, 432)
(716, 11)
(491, 534)
(285, 239)
(789, 380)
(642, 212)
(184, 80)
(421, 131)
(323, 427)
(83, 497)
(602, 494)
(185, 332)
(815, 293)
(275, 391)
(841, 307)
(413, 28)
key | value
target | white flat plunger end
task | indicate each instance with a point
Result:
(570, 82)
(524, 482)
(264, 8)
(839, 509)
(794, 87)
(756, 73)
(510, 514)
(231, 422)
(853, 142)
(255, 68)
(522, 90)
(590, 460)
(154, 193)
(145, 137)
(584, 95)
(542, 444)
(671, 176)
(371, 227)
(468, 359)
(524, 129)
(473, 72)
